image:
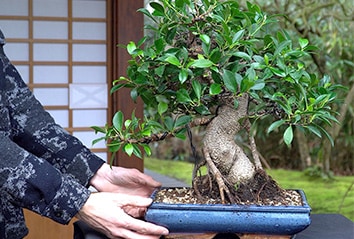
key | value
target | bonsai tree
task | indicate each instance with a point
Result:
(215, 65)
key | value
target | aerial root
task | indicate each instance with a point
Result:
(218, 177)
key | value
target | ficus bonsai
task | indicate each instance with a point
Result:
(213, 64)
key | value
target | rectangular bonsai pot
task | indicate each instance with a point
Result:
(231, 218)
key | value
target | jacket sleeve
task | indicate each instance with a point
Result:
(31, 182)
(35, 130)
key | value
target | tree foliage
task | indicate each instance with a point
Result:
(329, 25)
(204, 54)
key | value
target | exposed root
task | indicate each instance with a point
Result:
(261, 190)
(218, 177)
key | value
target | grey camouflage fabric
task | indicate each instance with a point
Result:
(42, 167)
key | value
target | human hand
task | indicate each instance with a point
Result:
(123, 180)
(115, 215)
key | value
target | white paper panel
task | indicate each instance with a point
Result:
(89, 30)
(13, 7)
(52, 8)
(88, 118)
(89, 8)
(50, 74)
(89, 74)
(50, 30)
(14, 28)
(52, 96)
(23, 70)
(87, 137)
(88, 96)
(61, 117)
(17, 51)
(50, 52)
(89, 52)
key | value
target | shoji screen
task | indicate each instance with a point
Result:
(60, 48)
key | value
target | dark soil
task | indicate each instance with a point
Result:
(263, 190)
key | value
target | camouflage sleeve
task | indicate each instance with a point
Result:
(31, 182)
(35, 131)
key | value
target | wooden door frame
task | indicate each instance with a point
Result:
(127, 25)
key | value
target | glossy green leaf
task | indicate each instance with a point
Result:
(215, 89)
(173, 60)
(137, 151)
(238, 35)
(183, 75)
(118, 120)
(303, 42)
(162, 107)
(158, 9)
(147, 149)
(183, 120)
(131, 47)
(288, 136)
(202, 63)
(128, 149)
(197, 88)
(205, 39)
(229, 79)
(183, 96)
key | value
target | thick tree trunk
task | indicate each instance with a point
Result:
(219, 143)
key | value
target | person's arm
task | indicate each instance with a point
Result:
(31, 182)
(35, 130)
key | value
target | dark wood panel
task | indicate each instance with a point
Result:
(127, 26)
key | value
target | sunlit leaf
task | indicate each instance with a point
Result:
(288, 136)
(128, 149)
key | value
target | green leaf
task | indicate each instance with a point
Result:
(183, 120)
(128, 149)
(229, 79)
(147, 149)
(183, 75)
(242, 55)
(169, 123)
(183, 96)
(197, 88)
(131, 47)
(258, 86)
(202, 109)
(303, 42)
(118, 120)
(173, 60)
(98, 129)
(114, 146)
(137, 151)
(162, 107)
(202, 63)
(159, 45)
(288, 136)
(95, 141)
(214, 89)
(238, 35)
(205, 39)
(275, 125)
(314, 130)
(158, 9)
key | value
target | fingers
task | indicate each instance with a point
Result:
(130, 200)
(137, 229)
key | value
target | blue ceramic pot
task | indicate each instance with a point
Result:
(220, 218)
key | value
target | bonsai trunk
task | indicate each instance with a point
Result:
(228, 165)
